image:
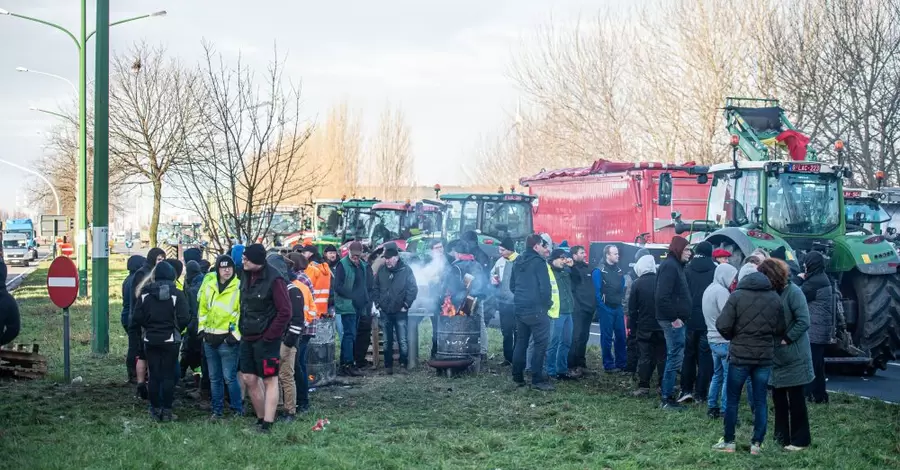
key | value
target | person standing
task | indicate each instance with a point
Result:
(394, 292)
(454, 282)
(585, 309)
(265, 314)
(697, 368)
(135, 342)
(300, 265)
(134, 264)
(793, 367)
(500, 275)
(10, 321)
(753, 320)
(192, 346)
(219, 313)
(530, 285)
(673, 309)
(819, 295)
(714, 298)
(643, 324)
(609, 284)
(351, 277)
(561, 327)
(161, 313)
(632, 351)
(301, 302)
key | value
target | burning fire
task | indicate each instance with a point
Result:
(448, 309)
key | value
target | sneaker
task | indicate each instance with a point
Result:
(287, 418)
(755, 449)
(713, 413)
(543, 386)
(564, 377)
(685, 398)
(723, 446)
(641, 392)
(166, 416)
(671, 405)
(575, 373)
(519, 383)
(793, 448)
(349, 371)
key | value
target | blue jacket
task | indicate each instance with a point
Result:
(530, 284)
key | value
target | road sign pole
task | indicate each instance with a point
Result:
(100, 275)
(66, 364)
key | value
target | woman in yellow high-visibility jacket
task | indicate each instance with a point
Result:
(219, 311)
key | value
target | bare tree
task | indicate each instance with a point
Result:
(153, 114)
(249, 155)
(336, 146)
(394, 162)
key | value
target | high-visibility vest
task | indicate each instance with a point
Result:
(309, 308)
(219, 312)
(320, 275)
(554, 294)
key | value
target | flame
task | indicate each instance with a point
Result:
(448, 309)
(312, 378)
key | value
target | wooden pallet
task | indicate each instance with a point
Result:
(22, 361)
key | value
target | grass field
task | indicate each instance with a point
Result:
(415, 421)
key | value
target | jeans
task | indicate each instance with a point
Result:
(759, 380)
(815, 390)
(530, 325)
(348, 338)
(632, 353)
(560, 343)
(508, 329)
(395, 324)
(674, 357)
(718, 385)
(652, 346)
(581, 333)
(791, 418)
(612, 328)
(301, 374)
(697, 368)
(222, 362)
(160, 358)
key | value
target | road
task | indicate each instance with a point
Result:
(15, 273)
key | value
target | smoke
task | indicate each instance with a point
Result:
(428, 278)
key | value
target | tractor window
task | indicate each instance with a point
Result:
(385, 227)
(507, 219)
(746, 198)
(328, 220)
(462, 216)
(865, 211)
(721, 199)
(803, 203)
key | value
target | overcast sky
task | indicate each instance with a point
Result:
(444, 62)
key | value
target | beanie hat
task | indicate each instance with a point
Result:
(329, 249)
(204, 265)
(163, 272)
(508, 244)
(298, 262)
(310, 249)
(779, 253)
(192, 254)
(640, 254)
(557, 254)
(256, 253)
(236, 252)
(224, 261)
(721, 253)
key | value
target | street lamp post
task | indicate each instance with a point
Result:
(99, 345)
(100, 260)
(43, 178)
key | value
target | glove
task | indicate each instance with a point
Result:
(290, 340)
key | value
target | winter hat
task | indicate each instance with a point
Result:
(193, 269)
(814, 262)
(224, 261)
(153, 254)
(779, 253)
(135, 262)
(463, 248)
(278, 262)
(678, 245)
(163, 272)
(508, 244)
(355, 248)
(721, 253)
(192, 254)
(557, 254)
(746, 269)
(204, 265)
(704, 249)
(329, 249)
(256, 253)
(310, 249)
(390, 250)
(177, 265)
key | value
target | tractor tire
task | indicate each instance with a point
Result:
(878, 319)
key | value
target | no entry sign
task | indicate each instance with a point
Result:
(62, 282)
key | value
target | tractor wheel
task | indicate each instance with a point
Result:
(878, 320)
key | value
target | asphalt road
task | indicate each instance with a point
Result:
(15, 273)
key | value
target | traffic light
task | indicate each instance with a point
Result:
(71, 224)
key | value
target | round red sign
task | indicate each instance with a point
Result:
(62, 282)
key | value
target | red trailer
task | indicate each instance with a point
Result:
(616, 202)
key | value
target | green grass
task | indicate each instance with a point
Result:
(414, 421)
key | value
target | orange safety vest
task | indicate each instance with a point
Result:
(309, 310)
(320, 275)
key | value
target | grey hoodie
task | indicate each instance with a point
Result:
(714, 298)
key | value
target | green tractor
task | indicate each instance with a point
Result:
(325, 227)
(356, 221)
(491, 216)
(769, 202)
(409, 226)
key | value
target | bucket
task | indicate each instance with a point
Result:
(320, 360)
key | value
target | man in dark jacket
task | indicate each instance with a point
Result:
(135, 345)
(819, 293)
(585, 309)
(753, 320)
(673, 309)
(500, 275)
(609, 283)
(454, 283)
(10, 322)
(352, 278)
(290, 340)
(266, 312)
(697, 369)
(394, 292)
(192, 347)
(134, 264)
(632, 351)
(643, 325)
(530, 285)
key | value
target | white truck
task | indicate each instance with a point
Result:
(16, 249)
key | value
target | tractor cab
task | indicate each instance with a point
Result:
(358, 219)
(404, 223)
(328, 221)
(492, 217)
(864, 212)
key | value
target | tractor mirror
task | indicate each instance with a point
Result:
(702, 179)
(664, 190)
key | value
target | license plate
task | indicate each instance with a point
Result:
(852, 194)
(804, 167)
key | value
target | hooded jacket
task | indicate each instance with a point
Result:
(134, 264)
(395, 289)
(714, 298)
(141, 274)
(753, 320)
(193, 279)
(819, 295)
(793, 361)
(219, 309)
(297, 322)
(673, 297)
(530, 284)
(10, 322)
(564, 284)
(161, 310)
(237, 253)
(583, 288)
(642, 299)
(699, 276)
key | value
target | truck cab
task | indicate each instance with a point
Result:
(16, 249)
(20, 232)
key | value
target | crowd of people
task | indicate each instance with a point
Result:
(246, 322)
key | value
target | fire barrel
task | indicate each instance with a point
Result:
(458, 339)
(320, 359)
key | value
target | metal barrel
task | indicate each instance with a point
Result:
(457, 337)
(320, 359)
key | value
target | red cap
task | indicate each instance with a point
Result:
(720, 253)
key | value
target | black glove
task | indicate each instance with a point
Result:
(290, 340)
